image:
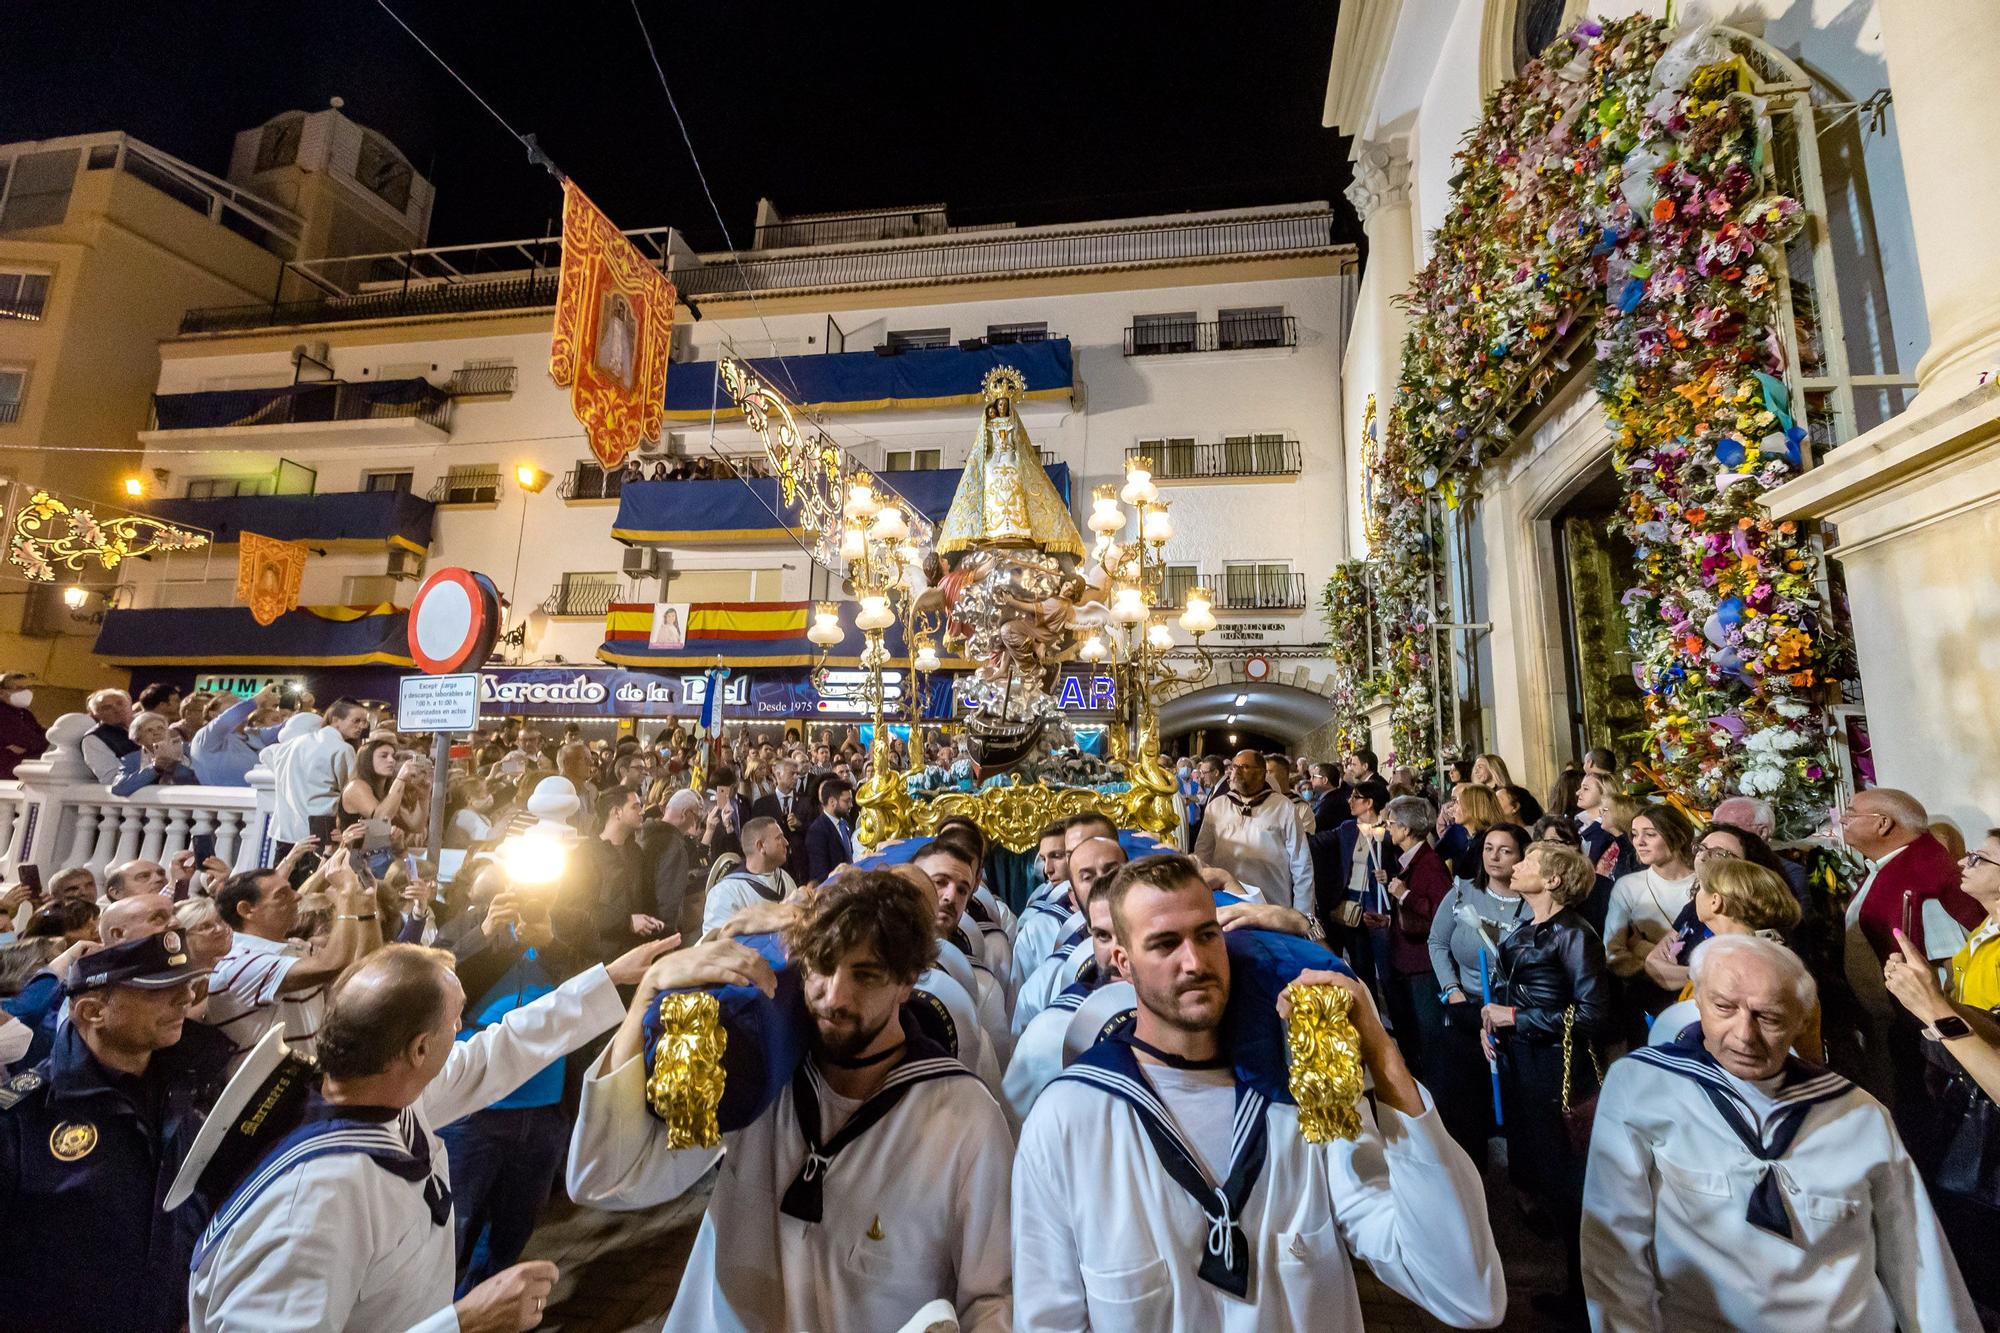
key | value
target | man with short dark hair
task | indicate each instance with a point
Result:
(761, 878)
(91, 1138)
(622, 900)
(875, 1183)
(830, 838)
(269, 978)
(727, 810)
(1206, 1189)
(347, 1224)
(1050, 999)
(1044, 923)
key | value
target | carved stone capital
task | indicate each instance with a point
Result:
(1381, 176)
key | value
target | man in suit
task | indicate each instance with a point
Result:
(1208, 772)
(830, 838)
(1328, 794)
(1913, 889)
(787, 804)
(723, 831)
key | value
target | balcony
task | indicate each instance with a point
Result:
(1260, 590)
(527, 291)
(26, 306)
(1181, 337)
(582, 599)
(9, 411)
(406, 411)
(1184, 460)
(587, 482)
(468, 486)
(480, 381)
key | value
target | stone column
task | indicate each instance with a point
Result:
(1380, 193)
(1944, 67)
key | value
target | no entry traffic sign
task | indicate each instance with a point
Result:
(454, 621)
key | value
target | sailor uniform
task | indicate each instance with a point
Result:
(859, 1232)
(1715, 1203)
(1038, 1052)
(1157, 1243)
(1035, 938)
(740, 889)
(361, 1238)
(1053, 973)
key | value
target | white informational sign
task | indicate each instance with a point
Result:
(438, 703)
(846, 691)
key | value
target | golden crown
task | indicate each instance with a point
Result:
(1004, 382)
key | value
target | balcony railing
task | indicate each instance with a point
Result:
(9, 411)
(472, 381)
(290, 404)
(24, 307)
(1248, 591)
(592, 483)
(578, 598)
(1186, 461)
(1214, 335)
(522, 274)
(470, 487)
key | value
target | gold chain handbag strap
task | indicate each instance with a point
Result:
(1569, 1029)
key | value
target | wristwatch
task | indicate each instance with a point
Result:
(1949, 1028)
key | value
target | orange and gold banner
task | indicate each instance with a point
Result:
(614, 319)
(268, 573)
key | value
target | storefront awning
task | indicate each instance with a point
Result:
(354, 520)
(869, 382)
(231, 636)
(688, 512)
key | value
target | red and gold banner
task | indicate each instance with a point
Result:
(268, 572)
(614, 318)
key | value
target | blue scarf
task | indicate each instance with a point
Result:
(1112, 1066)
(1801, 1088)
(397, 1145)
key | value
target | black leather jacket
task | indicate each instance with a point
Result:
(1547, 966)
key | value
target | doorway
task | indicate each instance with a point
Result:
(1595, 564)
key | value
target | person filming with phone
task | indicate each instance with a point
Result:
(159, 760)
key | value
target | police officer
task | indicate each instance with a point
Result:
(91, 1138)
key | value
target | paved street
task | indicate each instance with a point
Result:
(620, 1270)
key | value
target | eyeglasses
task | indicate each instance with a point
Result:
(1975, 858)
(1706, 852)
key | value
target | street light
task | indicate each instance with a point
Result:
(530, 479)
(135, 487)
(75, 595)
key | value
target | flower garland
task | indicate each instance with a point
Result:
(1622, 181)
(1344, 605)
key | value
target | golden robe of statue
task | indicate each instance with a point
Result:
(1005, 497)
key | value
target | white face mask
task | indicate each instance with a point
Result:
(21, 698)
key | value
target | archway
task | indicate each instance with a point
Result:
(1265, 716)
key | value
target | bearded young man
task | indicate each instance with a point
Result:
(878, 1180)
(1154, 1190)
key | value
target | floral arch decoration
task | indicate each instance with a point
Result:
(1619, 194)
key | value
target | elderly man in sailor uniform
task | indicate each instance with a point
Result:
(1206, 1208)
(875, 1183)
(1733, 1186)
(347, 1223)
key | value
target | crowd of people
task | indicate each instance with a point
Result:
(1739, 1089)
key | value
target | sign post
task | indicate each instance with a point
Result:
(453, 623)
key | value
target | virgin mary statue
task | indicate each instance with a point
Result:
(1005, 499)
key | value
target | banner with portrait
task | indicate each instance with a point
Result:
(268, 574)
(614, 320)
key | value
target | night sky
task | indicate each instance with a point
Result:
(1020, 112)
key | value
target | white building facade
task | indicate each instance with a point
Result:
(1210, 342)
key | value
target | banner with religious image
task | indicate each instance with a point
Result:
(268, 573)
(614, 319)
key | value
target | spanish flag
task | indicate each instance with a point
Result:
(743, 621)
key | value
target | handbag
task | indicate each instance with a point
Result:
(1348, 914)
(1959, 1154)
(1578, 1117)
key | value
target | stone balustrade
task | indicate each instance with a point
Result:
(55, 814)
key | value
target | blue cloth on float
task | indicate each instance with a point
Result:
(766, 1038)
(1262, 963)
(904, 850)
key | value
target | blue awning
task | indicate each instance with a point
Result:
(350, 518)
(740, 511)
(869, 381)
(318, 400)
(231, 636)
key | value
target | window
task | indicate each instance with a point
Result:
(1172, 457)
(1253, 455)
(911, 460)
(279, 146)
(1259, 583)
(223, 488)
(38, 194)
(1536, 24)
(587, 594)
(398, 482)
(1018, 333)
(1163, 333)
(23, 295)
(13, 389)
(1255, 326)
(468, 484)
(479, 377)
(589, 481)
(903, 340)
(382, 170)
(1174, 586)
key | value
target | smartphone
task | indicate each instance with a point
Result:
(1909, 915)
(377, 836)
(321, 827)
(203, 847)
(31, 875)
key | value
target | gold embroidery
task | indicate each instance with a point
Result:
(1326, 1063)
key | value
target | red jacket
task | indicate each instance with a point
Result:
(1925, 871)
(1428, 882)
